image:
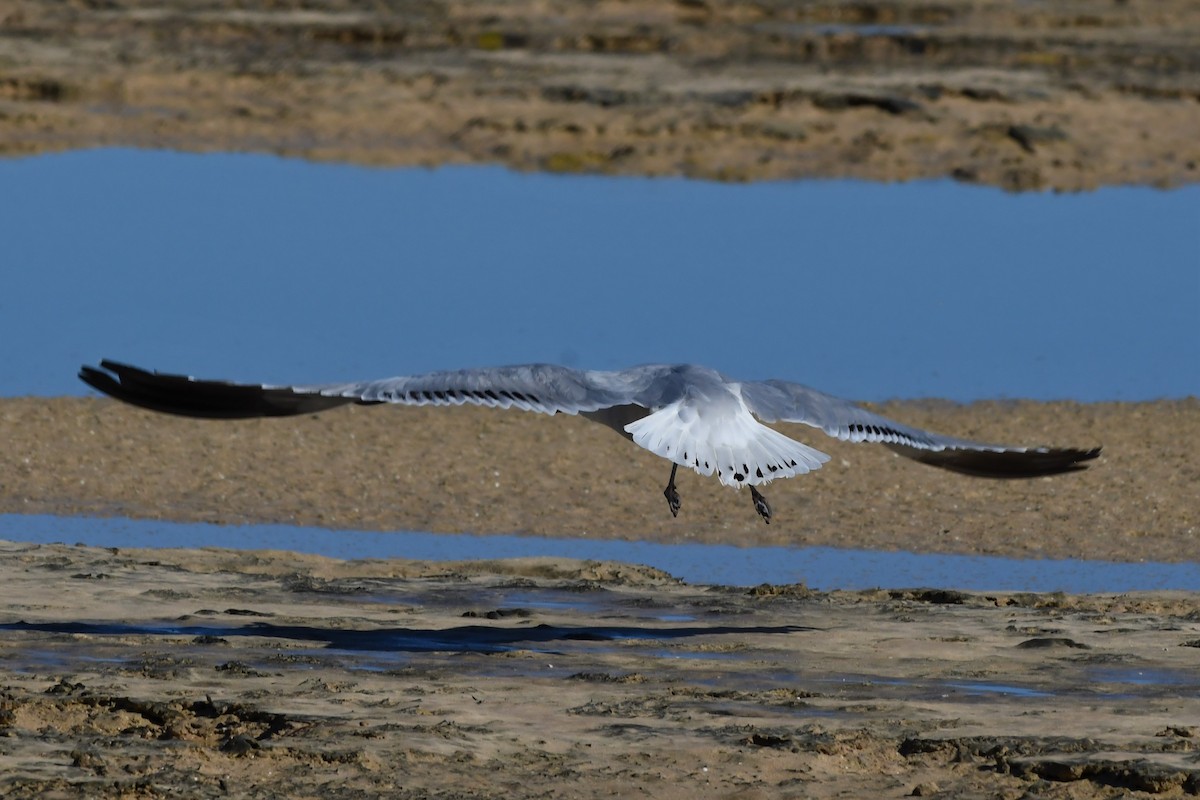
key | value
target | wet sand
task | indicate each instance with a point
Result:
(177, 673)
(201, 673)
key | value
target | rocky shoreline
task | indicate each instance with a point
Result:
(210, 673)
(1031, 97)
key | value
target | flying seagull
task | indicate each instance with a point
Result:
(691, 415)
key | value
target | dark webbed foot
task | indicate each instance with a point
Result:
(761, 505)
(672, 496)
(671, 493)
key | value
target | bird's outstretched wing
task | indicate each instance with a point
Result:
(781, 401)
(190, 397)
(546, 388)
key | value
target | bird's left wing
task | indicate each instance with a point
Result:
(546, 388)
(781, 401)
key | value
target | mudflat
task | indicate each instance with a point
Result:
(209, 673)
(177, 673)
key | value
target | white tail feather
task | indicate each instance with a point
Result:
(738, 448)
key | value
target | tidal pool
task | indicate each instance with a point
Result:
(821, 568)
(259, 268)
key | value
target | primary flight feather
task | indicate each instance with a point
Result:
(690, 415)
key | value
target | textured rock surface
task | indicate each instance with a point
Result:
(177, 673)
(1037, 95)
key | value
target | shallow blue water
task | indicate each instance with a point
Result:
(822, 568)
(259, 268)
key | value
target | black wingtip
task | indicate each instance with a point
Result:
(1007, 464)
(208, 399)
(97, 379)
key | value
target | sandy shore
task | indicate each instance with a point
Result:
(484, 471)
(261, 674)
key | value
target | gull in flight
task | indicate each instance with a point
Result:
(691, 415)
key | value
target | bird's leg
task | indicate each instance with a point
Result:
(761, 505)
(671, 493)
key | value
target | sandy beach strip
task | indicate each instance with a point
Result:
(485, 471)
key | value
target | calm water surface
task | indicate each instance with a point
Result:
(819, 567)
(259, 268)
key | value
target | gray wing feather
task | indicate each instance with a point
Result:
(546, 388)
(786, 402)
(781, 401)
(775, 401)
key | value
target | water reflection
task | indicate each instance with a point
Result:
(822, 568)
(255, 267)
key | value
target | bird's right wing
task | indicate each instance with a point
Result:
(544, 388)
(776, 400)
